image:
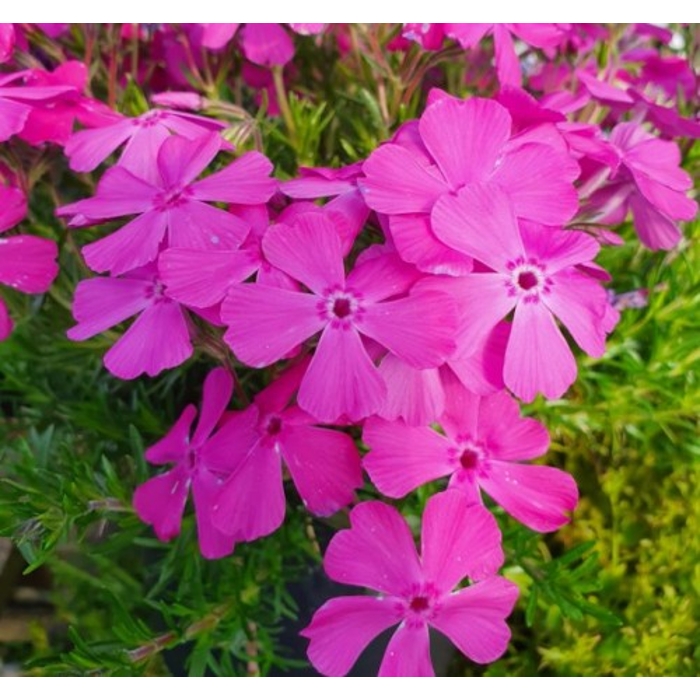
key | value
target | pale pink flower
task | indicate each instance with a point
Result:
(416, 592)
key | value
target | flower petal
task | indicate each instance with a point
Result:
(103, 302)
(28, 263)
(342, 379)
(403, 457)
(119, 193)
(480, 222)
(539, 497)
(376, 552)
(161, 502)
(201, 278)
(398, 183)
(218, 387)
(251, 503)
(343, 627)
(198, 225)
(458, 540)
(465, 137)
(580, 302)
(324, 465)
(206, 487)
(129, 247)
(246, 181)
(180, 160)
(537, 357)
(408, 653)
(419, 329)
(474, 619)
(265, 323)
(159, 339)
(538, 180)
(309, 251)
(415, 395)
(87, 149)
(173, 446)
(416, 243)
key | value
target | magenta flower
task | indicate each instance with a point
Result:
(161, 500)
(159, 338)
(263, 44)
(27, 263)
(543, 36)
(143, 136)
(202, 278)
(651, 183)
(457, 143)
(324, 464)
(54, 122)
(347, 204)
(533, 273)
(484, 440)
(416, 591)
(265, 323)
(171, 206)
(17, 102)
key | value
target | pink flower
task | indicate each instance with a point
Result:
(651, 183)
(171, 206)
(7, 41)
(54, 122)
(161, 500)
(416, 591)
(265, 323)
(534, 273)
(159, 338)
(484, 440)
(27, 263)
(202, 278)
(143, 135)
(457, 143)
(324, 464)
(347, 204)
(17, 102)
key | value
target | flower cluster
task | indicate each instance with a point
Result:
(406, 301)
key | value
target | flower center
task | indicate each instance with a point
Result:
(419, 604)
(171, 198)
(469, 458)
(274, 425)
(342, 307)
(527, 280)
(149, 119)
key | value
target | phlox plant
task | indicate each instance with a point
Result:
(330, 282)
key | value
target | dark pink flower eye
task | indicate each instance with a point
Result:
(469, 459)
(419, 604)
(341, 307)
(527, 280)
